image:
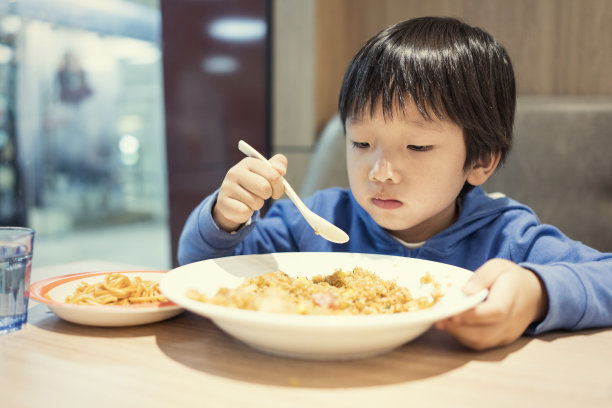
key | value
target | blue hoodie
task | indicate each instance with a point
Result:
(578, 279)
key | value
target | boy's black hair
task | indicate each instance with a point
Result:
(449, 69)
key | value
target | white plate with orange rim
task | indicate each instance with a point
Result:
(328, 337)
(53, 292)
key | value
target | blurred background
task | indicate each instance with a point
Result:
(82, 129)
(117, 117)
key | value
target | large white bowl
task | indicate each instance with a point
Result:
(319, 337)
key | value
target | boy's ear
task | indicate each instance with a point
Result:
(483, 169)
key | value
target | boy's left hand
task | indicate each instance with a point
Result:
(516, 298)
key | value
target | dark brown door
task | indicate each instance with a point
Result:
(216, 59)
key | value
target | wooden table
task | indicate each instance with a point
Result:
(188, 362)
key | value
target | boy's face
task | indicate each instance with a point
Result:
(406, 172)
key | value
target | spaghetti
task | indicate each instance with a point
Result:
(117, 289)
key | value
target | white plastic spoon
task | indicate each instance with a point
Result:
(321, 226)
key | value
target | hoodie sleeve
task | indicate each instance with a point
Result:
(578, 279)
(202, 239)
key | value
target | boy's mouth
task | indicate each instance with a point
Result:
(386, 203)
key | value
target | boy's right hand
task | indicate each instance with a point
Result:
(245, 188)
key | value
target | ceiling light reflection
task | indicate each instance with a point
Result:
(6, 54)
(129, 147)
(128, 144)
(220, 64)
(10, 24)
(238, 29)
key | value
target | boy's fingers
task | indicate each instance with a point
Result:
(486, 313)
(272, 175)
(494, 309)
(476, 337)
(279, 163)
(234, 210)
(254, 177)
(483, 277)
(240, 203)
(256, 185)
(229, 213)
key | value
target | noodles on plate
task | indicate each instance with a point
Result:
(117, 289)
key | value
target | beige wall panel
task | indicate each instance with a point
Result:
(294, 60)
(558, 47)
(298, 164)
(584, 46)
(334, 48)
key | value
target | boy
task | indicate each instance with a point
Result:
(428, 106)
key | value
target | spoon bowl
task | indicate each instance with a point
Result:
(320, 225)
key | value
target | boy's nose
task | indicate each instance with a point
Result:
(382, 171)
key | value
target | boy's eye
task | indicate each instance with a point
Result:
(420, 148)
(361, 145)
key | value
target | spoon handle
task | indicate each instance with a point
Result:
(250, 151)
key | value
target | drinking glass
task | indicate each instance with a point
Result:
(16, 246)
